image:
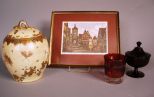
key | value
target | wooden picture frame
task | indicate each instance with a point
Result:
(82, 38)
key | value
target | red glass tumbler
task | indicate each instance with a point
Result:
(114, 67)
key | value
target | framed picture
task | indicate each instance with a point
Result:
(82, 38)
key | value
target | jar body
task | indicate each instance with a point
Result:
(25, 58)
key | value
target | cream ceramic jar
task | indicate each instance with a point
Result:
(25, 53)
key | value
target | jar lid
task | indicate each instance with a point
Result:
(138, 51)
(23, 34)
(23, 30)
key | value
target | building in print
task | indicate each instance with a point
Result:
(80, 40)
(90, 44)
(85, 39)
(101, 41)
(75, 35)
(66, 36)
(74, 41)
(94, 43)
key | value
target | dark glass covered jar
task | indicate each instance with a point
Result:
(137, 58)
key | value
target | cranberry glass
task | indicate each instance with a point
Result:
(114, 67)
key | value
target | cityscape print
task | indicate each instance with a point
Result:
(84, 38)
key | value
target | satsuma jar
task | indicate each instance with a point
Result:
(25, 53)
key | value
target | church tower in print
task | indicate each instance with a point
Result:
(101, 42)
(75, 35)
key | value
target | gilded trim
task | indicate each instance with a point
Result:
(8, 60)
(26, 54)
(85, 12)
(10, 39)
(118, 33)
(51, 36)
(28, 72)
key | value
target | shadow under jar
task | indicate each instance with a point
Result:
(114, 67)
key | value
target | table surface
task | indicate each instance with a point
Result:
(60, 82)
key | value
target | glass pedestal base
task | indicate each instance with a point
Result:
(134, 74)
